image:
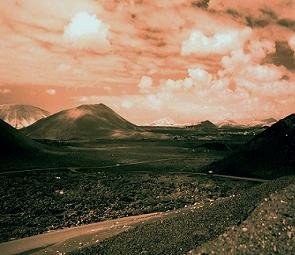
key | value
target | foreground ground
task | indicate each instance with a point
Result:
(183, 232)
(84, 182)
(119, 178)
(270, 229)
(36, 202)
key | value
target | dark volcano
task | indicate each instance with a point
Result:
(83, 122)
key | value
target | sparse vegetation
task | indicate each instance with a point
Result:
(182, 232)
(33, 203)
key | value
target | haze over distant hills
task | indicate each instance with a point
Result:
(269, 154)
(20, 116)
(253, 123)
(83, 122)
(168, 122)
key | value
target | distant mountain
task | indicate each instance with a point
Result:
(83, 122)
(246, 124)
(269, 121)
(12, 142)
(204, 126)
(228, 123)
(19, 115)
(164, 122)
(271, 153)
(261, 123)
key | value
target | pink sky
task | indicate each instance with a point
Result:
(184, 60)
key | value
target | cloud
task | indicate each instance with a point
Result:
(85, 29)
(145, 84)
(243, 89)
(283, 55)
(200, 75)
(5, 91)
(51, 92)
(218, 43)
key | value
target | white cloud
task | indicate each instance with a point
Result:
(262, 73)
(86, 29)
(246, 66)
(5, 91)
(51, 92)
(218, 43)
(200, 75)
(145, 84)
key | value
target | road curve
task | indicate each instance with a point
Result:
(118, 165)
(70, 239)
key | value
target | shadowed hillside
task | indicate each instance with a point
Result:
(269, 154)
(13, 142)
(83, 122)
(274, 236)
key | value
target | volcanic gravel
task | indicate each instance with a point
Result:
(269, 230)
(188, 229)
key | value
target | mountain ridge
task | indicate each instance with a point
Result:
(21, 115)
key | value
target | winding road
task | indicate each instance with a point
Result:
(119, 165)
(69, 239)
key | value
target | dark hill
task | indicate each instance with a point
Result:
(204, 126)
(83, 122)
(12, 142)
(269, 154)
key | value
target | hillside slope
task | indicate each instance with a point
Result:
(83, 122)
(268, 230)
(13, 142)
(269, 154)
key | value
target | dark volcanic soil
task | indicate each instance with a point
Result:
(32, 203)
(182, 232)
(269, 230)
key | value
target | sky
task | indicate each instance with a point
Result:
(185, 60)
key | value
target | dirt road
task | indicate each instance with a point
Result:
(69, 239)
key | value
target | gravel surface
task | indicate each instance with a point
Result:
(190, 228)
(269, 230)
(56, 199)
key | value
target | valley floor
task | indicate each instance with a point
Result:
(83, 182)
